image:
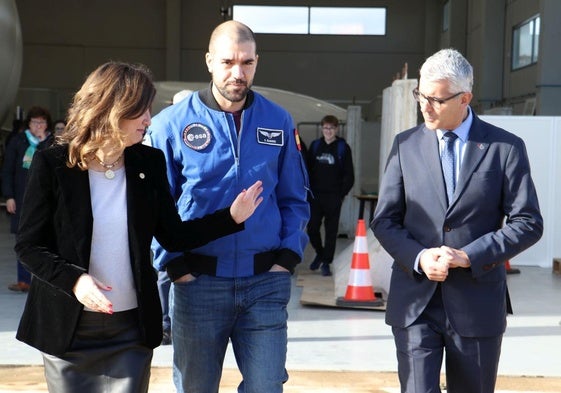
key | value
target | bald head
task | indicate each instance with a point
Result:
(234, 30)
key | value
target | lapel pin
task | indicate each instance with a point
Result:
(481, 146)
(141, 175)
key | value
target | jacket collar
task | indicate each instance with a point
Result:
(208, 99)
(476, 148)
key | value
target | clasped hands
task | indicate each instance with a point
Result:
(435, 262)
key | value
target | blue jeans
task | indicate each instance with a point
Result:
(23, 274)
(249, 311)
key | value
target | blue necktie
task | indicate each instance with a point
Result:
(448, 160)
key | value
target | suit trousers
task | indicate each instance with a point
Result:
(471, 363)
(106, 357)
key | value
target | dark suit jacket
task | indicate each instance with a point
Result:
(494, 184)
(55, 236)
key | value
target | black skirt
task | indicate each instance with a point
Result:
(106, 357)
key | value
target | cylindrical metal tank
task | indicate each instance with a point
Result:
(11, 56)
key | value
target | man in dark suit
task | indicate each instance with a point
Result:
(450, 215)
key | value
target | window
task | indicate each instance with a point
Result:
(312, 20)
(446, 16)
(525, 42)
(273, 19)
(347, 21)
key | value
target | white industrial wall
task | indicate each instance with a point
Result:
(542, 136)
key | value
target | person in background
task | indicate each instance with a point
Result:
(164, 283)
(18, 155)
(456, 201)
(235, 288)
(93, 204)
(180, 96)
(164, 287)
(330, 165)
(59, 126)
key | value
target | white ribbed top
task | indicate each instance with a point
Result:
(110, 257)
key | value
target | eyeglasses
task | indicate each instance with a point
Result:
(328, 128)
(433, 102)
(37, 122)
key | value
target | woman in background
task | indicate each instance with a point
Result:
(94, 202)
(59, 126)
(19, 152)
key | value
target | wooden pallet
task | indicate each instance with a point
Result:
(318, 290)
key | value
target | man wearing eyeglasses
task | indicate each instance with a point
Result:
(330, 166)
(456, 202)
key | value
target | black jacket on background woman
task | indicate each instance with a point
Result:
(14, 175)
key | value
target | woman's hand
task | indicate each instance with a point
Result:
(87, 291)
(246, 202)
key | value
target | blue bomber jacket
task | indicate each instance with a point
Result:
(209, 163)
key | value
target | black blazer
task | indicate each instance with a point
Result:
(55, 236)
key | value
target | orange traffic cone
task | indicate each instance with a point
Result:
(360, 291)
(510, 270)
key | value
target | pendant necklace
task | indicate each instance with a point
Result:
(109, 173)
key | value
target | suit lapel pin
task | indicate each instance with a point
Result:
(141, 175)
(481, 146)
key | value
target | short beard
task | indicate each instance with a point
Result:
(236, 96)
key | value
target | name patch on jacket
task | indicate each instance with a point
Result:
(267, 136)
(197, 136)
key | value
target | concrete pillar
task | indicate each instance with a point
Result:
(549, 78)
(173, 40)
(486, 51)
(11, 48)
(458, 25)
(349, 210)
(399, 113)
(433, 27)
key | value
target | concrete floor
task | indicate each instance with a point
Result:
(325, 340)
